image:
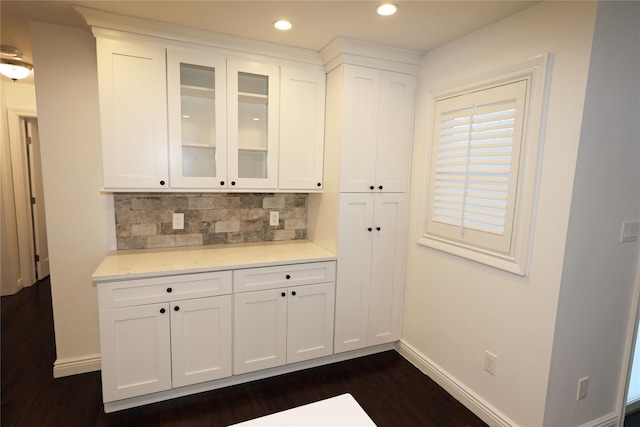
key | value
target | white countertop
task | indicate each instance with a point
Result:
(133, 264)
(339, 411)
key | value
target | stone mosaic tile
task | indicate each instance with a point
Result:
(145, 220)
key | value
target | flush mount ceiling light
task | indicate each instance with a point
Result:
(387, 9)
(11, 64)
(282, 24)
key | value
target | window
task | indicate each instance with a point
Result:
(479, 200)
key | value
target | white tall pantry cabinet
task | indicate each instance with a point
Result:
(362, 212)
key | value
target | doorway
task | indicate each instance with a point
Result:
(631, 404)
(28, 198)
(36, 195)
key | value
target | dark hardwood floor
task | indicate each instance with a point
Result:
(391, 390)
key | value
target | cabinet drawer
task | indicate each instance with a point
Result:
(162, 289)
(252, 279)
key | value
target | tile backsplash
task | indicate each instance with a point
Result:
(146, 220)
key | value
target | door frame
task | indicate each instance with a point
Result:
(630, 347)
(15, 117)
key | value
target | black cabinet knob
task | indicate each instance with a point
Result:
(161, 182)
(319, 185)
(162, 310)
(371, 187)
(283, 294)
(233, 183)
(370, 229)
(288, 276)
(293, 293)
(221, 182)
(176, 308)
(380, 187)
(378, 228)
(169, 290)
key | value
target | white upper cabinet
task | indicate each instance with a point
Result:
(302, 104)
(395, 130)
(180, 116)
(253, 124)
(377, 120)
(133, 110)
(361, 98)
(196, 90)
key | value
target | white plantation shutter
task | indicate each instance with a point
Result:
(475, 166)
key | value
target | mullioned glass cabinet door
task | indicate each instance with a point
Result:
(196, 91)
(253, 124)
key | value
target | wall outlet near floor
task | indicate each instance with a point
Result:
(583, 386)
(274, 218)
(490, 361)
(630, 231)
(178, 221)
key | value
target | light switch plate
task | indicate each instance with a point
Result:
(629, 231)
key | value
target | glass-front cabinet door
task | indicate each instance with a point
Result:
(253, 118)
(196, 88)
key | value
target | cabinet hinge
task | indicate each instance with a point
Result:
(28, 140)
(37, 258)
(33, 200)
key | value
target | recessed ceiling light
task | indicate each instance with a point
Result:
(387, 9)
(282, 25)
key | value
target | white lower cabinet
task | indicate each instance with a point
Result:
(200, 340)
(135, 351)
(282, 325)
(155, 347)
(282, 314)
(163, 333)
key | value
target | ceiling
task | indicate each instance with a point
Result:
(418, 25)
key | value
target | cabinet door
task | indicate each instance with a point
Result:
(301, 128)
(395, 130)
(133, 115)
(253, 124)
(387, 268)
(135, 351)
(355, 234)
(196, 89)
(201, 340)
(260, 329)
(310, 322)
(361, 90)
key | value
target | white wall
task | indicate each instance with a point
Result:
(21, 96)
(599, 271)
(457, 309)
(80, 220)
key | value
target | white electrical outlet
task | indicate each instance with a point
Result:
(583, 387)
(178, 221)
(274, 218)
(630, 231)
(490, 362)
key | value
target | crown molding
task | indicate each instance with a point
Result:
(348, 51)
(113, 25)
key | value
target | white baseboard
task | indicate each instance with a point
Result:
(471, 400)
(462, 393)
(609, 420)
(76, 365)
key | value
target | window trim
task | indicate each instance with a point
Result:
(516, 260)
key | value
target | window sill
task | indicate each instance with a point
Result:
(504, 262)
